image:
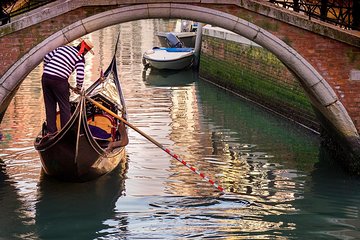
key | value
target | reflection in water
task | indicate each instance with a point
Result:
(14, 221)
(80, 208)
(168, 78)
(256, 156)
(333, 198)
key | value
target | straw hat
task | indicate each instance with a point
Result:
(88, 45)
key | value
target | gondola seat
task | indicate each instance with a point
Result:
(101, 127)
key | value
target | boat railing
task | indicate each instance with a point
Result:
(345, 14)
(12, 8)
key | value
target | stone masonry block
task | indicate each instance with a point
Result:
(323, 93)
(203, 15)
(160, 10)
(246, 29)
(116, 16)
(355, 75)
(74, 31)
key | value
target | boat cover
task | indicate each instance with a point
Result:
(173, 41)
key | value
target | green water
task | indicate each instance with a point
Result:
(253, 154)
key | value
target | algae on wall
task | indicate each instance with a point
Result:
(257, 74)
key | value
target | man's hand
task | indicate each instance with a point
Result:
(76, 90)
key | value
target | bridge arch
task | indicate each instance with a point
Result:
(319, 91)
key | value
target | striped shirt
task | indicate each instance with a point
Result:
(62, 61)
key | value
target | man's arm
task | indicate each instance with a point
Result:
(80, 68)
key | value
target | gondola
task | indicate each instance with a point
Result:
(92, 143)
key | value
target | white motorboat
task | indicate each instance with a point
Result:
(169, 58)
(175, 57)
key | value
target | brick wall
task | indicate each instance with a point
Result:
(13, 46)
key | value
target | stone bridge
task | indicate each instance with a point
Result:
(325, 59)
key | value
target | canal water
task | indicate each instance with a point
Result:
(256, 156)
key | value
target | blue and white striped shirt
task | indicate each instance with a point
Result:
(62, 61)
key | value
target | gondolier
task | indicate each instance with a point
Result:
(59, 64)
(93, 142)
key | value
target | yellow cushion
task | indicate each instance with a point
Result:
(102, 122)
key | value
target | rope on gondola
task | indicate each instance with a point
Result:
(78, 130)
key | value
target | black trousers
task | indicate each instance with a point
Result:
(56, 91)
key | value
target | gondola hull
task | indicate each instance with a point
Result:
(85, 168)
(74, 155)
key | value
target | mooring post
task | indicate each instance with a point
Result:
(197, 49)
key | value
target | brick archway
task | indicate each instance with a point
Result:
(320, 92)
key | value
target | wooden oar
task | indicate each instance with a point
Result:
(157, 144)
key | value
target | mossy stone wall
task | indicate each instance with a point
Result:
(257, 74)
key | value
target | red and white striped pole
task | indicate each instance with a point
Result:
(221, 189)
(218, 187)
